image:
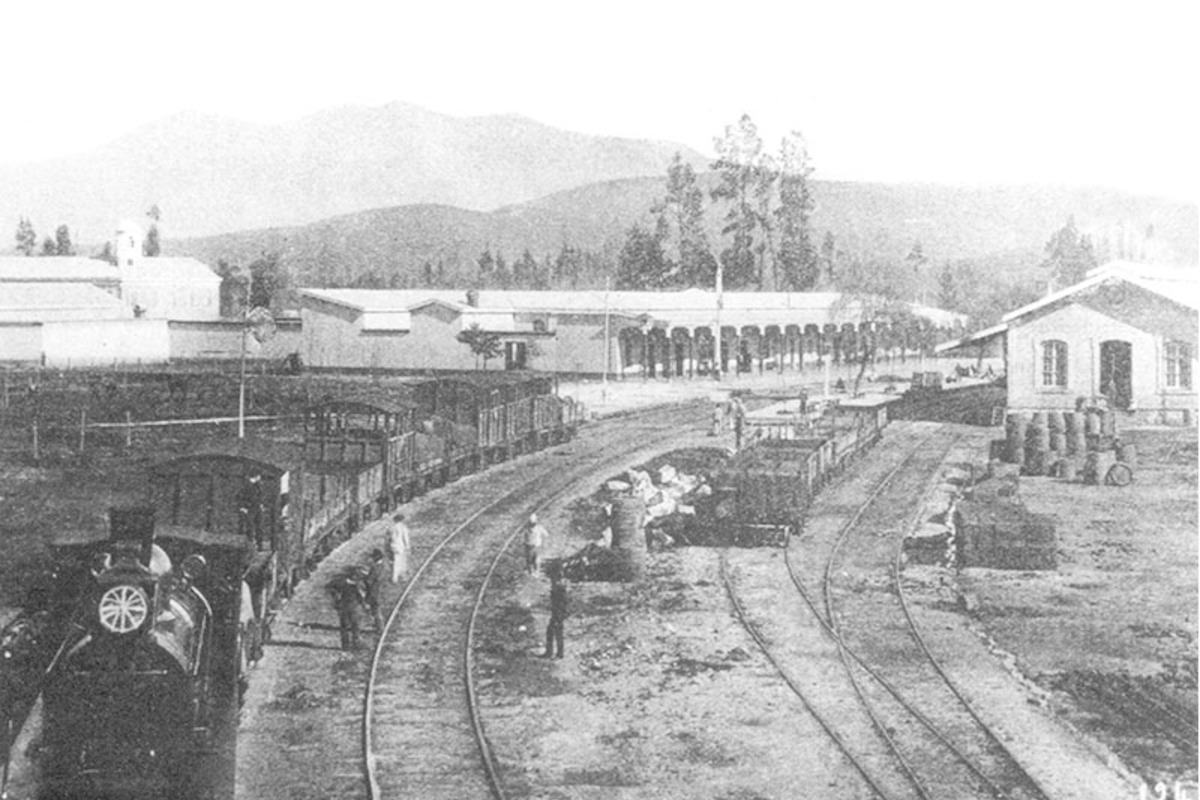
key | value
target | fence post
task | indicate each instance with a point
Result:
(82, 428)
(36, 450)
(128, 430)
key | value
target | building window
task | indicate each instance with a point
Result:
(1179, 365)
(539, 326)
(1054, 363)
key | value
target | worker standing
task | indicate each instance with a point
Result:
(739, 420)
(558, 613)
(374, 588)
(398, 544)
(350, 600)
(718, 415)
(535, 539)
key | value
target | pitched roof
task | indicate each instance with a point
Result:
(56, 268)
(690, 307)
(36, 302)
(1178, 284)
(168, 268)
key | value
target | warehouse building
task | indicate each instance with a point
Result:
(1124, 337)
(654, 334)
(73, 311)
(75, 324)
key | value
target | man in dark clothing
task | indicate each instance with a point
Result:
(376, 576)
(558, 614)
(250, 502)
(349, 598)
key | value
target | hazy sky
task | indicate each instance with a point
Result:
(1095, 92)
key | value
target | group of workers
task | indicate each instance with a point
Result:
(360, 588)
(729, 410)
(535, 542)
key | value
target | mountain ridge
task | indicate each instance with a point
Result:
(1006, 226)
(210, 174)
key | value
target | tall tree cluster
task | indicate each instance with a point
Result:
(57, 245)
(1069, 255)
(763, 203)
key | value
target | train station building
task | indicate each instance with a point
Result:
(1127, 333)
(652, 334)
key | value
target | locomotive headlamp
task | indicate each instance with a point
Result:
(194, 566)
(123, 608)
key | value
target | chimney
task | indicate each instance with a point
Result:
(473, 298)
(133, 525)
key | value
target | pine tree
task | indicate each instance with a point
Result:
(681, 214)
(1068, 255)
(642, 264)
(26, 238)
(799, 264)
(62, 241)
(738, 153)
(151, 246)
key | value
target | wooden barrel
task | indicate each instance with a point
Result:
(1015, 431)
(1108, 423)
(1096, 466)
(1037, 435)
(1056, 422)
(1091, 423)
(1127, 453)
(1058, 442)
(629, 539)
(1037, 461)
(1067, 469)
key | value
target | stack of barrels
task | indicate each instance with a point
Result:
(629, 537)
(1065, 444)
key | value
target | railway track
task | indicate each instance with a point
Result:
(937, 748)
(422, 734)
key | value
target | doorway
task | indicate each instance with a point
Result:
(1116, 373)
(516, 355)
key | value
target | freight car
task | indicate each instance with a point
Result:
(761, 494)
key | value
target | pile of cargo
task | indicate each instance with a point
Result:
(993, 528)
(1070, 445)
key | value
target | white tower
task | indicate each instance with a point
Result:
(129, 243)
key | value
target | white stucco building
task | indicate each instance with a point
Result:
(1127, 333)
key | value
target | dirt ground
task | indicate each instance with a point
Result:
(662, 696)
(1111, 635)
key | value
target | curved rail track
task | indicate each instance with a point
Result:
(941, 749)
(422, 735)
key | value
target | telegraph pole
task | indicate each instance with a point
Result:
(718, 360)
(242, 369)
(607, 347)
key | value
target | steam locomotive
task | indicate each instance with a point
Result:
(148, 669)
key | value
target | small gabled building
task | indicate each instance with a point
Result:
(1126, 334)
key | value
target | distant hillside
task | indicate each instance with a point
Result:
(212, 175)
(1005, 226)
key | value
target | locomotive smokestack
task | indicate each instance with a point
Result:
(133, 525)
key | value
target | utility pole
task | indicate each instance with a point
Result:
(242, 369)
(607, 347)
(718, 360)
